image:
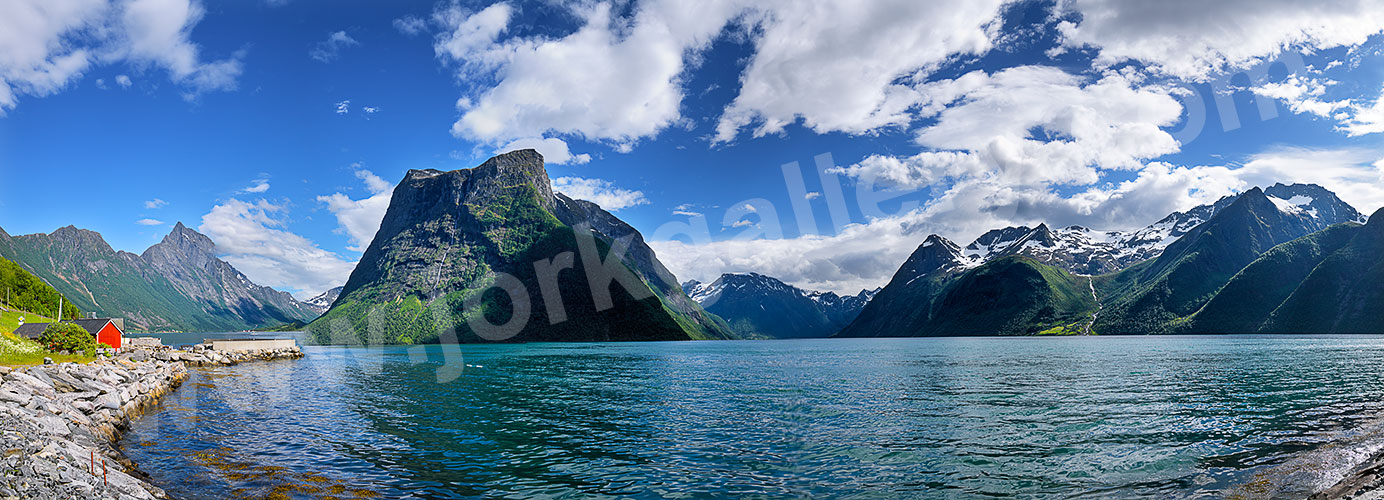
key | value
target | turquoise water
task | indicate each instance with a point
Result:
(866, 418)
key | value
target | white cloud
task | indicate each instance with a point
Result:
(44, 45)
(1303, 94)
(158, 31)
(149, 222)
(1194, 39)
(600, 192)
(330, 49)
(123, 81)
(360, 219)
(812, 195)
(343, 107)
(257, 186)
(252, 237)
(837, 65)
(370, 110)
(554, 150)
(548, 85)
(155, 204)
(410, 25)
(1030, 126)
(1365, 119)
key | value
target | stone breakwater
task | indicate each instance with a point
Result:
(59, 424)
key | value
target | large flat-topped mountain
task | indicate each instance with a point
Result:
(474, 247)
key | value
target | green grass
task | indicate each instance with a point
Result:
(9, 320)
(15, 351)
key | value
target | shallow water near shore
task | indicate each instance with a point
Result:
(1251, 416)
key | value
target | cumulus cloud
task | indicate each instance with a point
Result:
(554, 150)
(330, 49)
(253, 238)
(1303, 94)
(600, 192)
(155, 204)
(1031, 125)
(845, 75)
(45, 45)
(1192, 39)
(123, 81)
(360, 219)
(149, 222)
(545, 86)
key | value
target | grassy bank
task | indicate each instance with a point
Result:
(9, 319)
(15, 351)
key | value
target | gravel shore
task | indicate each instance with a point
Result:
(59, 423)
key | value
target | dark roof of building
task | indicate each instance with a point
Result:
(30, 330)
(92, 325)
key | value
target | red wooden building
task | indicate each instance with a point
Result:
(106, 330)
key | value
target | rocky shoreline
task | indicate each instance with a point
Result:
(1366, 482)
(59, 424)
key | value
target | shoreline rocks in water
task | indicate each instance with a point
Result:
(59, 424)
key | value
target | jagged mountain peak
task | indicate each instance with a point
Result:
(189, 240)
(1317, 201)
(936, 253)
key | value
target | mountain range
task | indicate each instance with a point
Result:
(177, 284)
(758, 306)
(459, 253)
(1168, 277)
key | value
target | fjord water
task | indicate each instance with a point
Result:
(960, 417)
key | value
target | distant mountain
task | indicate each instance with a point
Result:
(188, 260)
(759, 306)
(447, 237)
(1090, 252)
(177, 284)
(324, 301)
(1154, 297)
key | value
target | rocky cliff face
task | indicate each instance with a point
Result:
(448, 237)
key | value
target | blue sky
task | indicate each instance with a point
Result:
(278, 127)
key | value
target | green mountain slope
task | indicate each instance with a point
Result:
(1014, 295)
(1157, 296)
(1342, 294)
(21, 290)
(933, 294)
(448, 238)
(904, 306)
(1244, 304)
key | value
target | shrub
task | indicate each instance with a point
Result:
(67, 337)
